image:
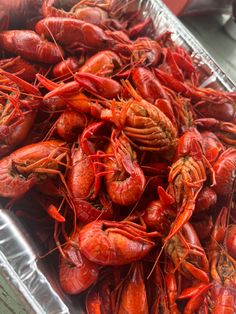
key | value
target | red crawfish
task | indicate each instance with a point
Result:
(104, 63)
(23, 168)
(141, 28)
(87, 151)
(19, 67)
(115, 243)
(133, 297)
(203, 99)
(101, 86)
(216, 105)
(224, 169)
(74, 34)
(142, 51)
(197, 298)
(212, 146)
(76, 272)
(93, 15)
(17, 112)
(147, 127)
(186, 177)
(222, 268)
(187, 254)
(30, 46)
(125, 181)
(80, 181)
(180, 60)
(83, 180)
(225, 131)
(16, 119)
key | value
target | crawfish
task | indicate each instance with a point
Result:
(80, 182)
(187, 254)
(76, 272)
(212, 146)
(74, 100)
(126, 184)
(198, 299)
(84, 183)
(16, 119)
(30, 46)
(20, 170)
(215, 105)
(147, 127)
(225, 131)
(115, 243)
(102, 64)
(142, 51)
(66, 30)
(186, 177)
(225, 173)
(93, 15)
(133, 297)
(19, 67)
(222, 269)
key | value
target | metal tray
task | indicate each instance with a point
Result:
(33, 281)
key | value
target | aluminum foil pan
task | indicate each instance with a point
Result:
(33, 281)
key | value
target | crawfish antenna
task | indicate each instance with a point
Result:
(156, 261)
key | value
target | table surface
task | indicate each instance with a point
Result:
(210, 32)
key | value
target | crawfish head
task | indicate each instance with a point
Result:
(76, 272)
(20, 170)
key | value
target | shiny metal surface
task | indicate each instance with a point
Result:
(210, 32)
(20, 268)
(30, 279)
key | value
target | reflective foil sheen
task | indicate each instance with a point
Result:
(28, 276)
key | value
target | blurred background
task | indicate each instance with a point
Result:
(213, 22)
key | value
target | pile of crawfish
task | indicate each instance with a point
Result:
(108, 135)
